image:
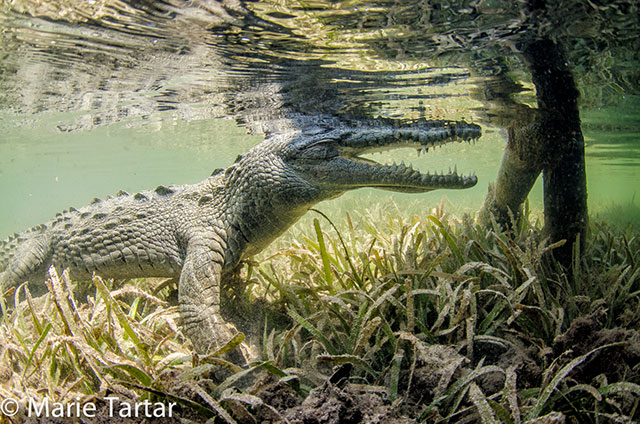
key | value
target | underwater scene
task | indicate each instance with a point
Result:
(287, 211)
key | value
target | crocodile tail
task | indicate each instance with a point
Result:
(23, 257)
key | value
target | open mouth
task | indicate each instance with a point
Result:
(401, 177)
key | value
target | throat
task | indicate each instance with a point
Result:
(256, 227)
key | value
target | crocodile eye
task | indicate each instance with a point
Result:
(319, 151)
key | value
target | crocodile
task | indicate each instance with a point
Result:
(200, 233)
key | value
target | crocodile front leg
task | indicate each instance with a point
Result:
(199, 298)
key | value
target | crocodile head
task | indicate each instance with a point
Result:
(332, 159)
(325, 161)
(278, 180)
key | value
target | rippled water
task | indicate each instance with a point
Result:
(102, 95)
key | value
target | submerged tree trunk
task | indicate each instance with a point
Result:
(564, 174)
(550, 140)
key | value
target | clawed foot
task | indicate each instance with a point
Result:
(227, 342)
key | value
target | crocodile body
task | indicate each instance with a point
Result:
(199, 233)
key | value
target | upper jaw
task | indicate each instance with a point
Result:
(421, 136)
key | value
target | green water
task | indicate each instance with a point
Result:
(43, 171)
(97, 97)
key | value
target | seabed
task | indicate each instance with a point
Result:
(377, 318)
